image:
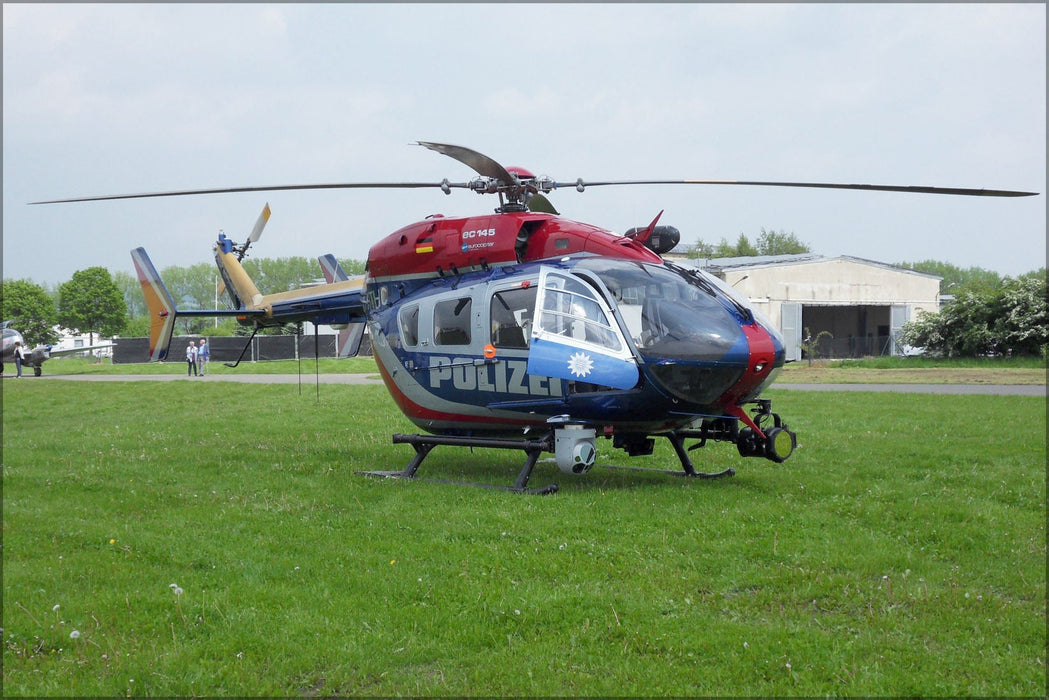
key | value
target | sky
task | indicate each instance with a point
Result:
(127, 98)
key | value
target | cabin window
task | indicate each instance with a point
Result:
(410, 326)
(571, 309)
(451, 321)
(511, 317)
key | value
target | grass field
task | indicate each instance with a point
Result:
(183, 538)
(917, 370)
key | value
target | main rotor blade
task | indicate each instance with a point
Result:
(481, 163)
(487, 167)
(269, 188)
(582, 184)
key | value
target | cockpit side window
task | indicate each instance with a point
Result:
(410, 326)
(571, 309)
(451, 321)
(511, 317)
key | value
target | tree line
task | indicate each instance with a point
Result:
(768, 243)
(96, 301)
(982, 314)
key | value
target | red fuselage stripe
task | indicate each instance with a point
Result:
(762, 352)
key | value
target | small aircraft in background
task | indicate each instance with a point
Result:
(528, 331)
(41, 353)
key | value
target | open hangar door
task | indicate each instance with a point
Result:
(855, 330)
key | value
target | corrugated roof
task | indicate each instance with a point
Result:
(756, 261)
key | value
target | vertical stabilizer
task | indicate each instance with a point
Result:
(160, 304)
(333, 271)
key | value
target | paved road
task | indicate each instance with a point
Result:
(305, 378)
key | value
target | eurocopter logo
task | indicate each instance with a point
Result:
(580, 364)
(467, 247)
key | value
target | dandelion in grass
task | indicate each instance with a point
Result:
(75, 634)
(177, 590)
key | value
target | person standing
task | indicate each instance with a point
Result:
(19, 358)
(203, 355)
(191, 359)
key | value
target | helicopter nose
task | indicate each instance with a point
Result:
(762, 354)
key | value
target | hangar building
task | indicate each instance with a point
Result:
(861, 303)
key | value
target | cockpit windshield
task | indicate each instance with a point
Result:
(669, 313)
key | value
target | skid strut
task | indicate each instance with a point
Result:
(423, 444)
(678, 441)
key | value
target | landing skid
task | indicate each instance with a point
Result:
(423, 444)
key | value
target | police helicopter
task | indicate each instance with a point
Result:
(525, 330)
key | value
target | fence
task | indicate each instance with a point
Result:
(229, 348)
(856, 346)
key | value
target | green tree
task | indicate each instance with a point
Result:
(780, 243)
(131, 289)
(92, 303)
(1010, 319)
(281, 274)
(352, 267)
(137, 327)
(31, 310)
(1021, 325)
(741, 249)
(955, 279)
(769, 243)
(194, 288)
(700, 249)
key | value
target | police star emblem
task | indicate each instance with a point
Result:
(580, 364)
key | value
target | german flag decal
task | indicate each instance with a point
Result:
(424, 244)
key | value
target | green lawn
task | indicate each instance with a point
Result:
(900, 551)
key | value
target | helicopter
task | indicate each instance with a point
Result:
(524, 330)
